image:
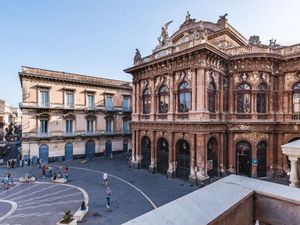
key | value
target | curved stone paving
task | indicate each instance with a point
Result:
(38, 203)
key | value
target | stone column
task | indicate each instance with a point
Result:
(294, 176)
(270, 156)
(138, 99)
(172, 149)
(152, 167)
(292, 150)
(231, 154)
(171, 91)
(200, 161)
(133, 150)
(194, 94)
(200, 89)
(138, 154)
(153, 105)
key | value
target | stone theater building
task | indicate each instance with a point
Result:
(209, 101)
(68, 116)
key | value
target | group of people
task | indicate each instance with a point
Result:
(108, 190)
(7, 181)
(65, 174)
(11, 163)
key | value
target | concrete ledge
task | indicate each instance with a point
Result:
(231, 200)
(23, 180)
(60, 180)
(79, 214)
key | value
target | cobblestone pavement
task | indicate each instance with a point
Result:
(38, 203)
(134, 192)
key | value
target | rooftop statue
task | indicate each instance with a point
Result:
(188, 20)
(137, 57)
(223, 18)
(164, 37)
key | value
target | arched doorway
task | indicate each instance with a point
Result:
(183, 159)
(262, 159)
(69, 151)
(162, 155)
(244, 163)
(44, 153)
(125, 145)
(146, 152)
(90, 149)
(212, 157)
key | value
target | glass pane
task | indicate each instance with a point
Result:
(296, 102)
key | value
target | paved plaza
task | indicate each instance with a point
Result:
(134, 192)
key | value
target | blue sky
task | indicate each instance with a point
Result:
(99, 37)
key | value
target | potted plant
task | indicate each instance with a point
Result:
(67, 219)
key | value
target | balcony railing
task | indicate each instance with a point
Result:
(145, 117)
(109, 108)
(244, 116)
(43, 134)
(126, 109)
(184, 116)
(262, 117)
(295, 116)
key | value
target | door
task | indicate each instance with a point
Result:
(44, 153)
(162, 156)
(183, 159)
(108, 147)
(90, 149)
(146, 153)
(69, 151)
(125, 146)
(262, 159)
(244, 159)
(212, 157)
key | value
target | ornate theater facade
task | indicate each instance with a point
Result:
(208, 101)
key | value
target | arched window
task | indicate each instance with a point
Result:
(184, 97)
(211, 97)
(146, 101)
(261, 104)
(296, 98)
(244, 98)
(163, 99)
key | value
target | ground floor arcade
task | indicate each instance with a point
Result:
(51, 150)
(191, 152)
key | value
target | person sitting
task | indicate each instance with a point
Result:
(83, 206)
(59, 175)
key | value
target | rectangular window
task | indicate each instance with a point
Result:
(108, 102)
(69, 126)
(44, 98)
(43, 126)
(90, 102)
(109, 125)
(69, 100)
(126, 103)
(296, 102)
(126, 125)
(90, 126)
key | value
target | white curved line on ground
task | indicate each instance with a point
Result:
(85, 194)
(118, 178)
(14, 207)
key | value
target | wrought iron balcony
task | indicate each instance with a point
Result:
(109, 108)
(126, 109)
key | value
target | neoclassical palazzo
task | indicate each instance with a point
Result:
(209, 101)
(67, 116)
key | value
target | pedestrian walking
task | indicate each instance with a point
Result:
(9, 176)
(108, 196)
(105, 181)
